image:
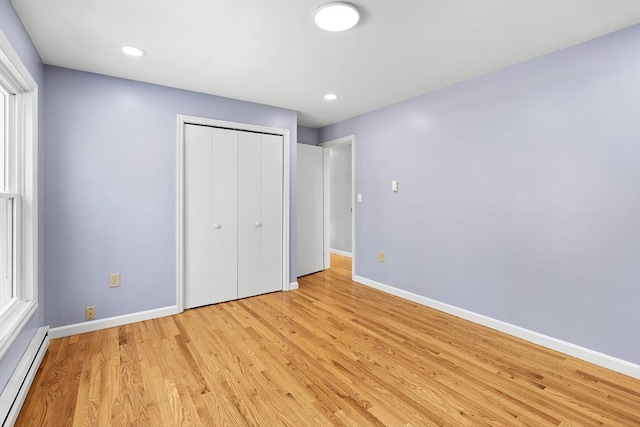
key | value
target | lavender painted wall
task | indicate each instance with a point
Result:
(111, 189)
(13, 30)
(307, 135)
(519, 194)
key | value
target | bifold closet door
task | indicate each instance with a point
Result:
(210, 215)
(259, 213)
(233, 218)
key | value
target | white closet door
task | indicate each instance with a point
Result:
(249, 214)
(210, 206)
(272, 215)
(310, 209)
(259, 214)
(224, 186)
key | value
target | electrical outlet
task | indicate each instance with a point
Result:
(90, 312)
(114, 280)
(381, 256)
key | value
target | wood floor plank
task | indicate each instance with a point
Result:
(332, 353)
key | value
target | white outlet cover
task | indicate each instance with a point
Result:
(114, 280)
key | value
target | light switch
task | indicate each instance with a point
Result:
(359, 198)
(394, 186)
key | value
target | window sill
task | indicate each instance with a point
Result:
(13, 318)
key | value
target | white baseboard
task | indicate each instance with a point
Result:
(110, 322)
(597, 358)
(339, 252)
(15, 392)
(293, 286)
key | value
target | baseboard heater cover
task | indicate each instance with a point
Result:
(15, 392)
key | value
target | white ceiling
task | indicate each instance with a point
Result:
(270, 51)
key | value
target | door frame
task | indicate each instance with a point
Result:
(286, 164)
(326, 146)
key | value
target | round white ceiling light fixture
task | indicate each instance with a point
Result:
(330, 97)
(336, 16)
(133, 51)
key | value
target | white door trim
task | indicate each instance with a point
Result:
(285, 133)
(345, 140)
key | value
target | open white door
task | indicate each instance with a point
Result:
(310, 210)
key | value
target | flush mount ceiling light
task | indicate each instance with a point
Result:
(133, 51)
(331, 97)
(336, 16)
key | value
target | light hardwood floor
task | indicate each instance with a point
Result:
(333, 353)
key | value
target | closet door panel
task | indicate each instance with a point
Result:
(249, 214)
(198, 245)
(233, 214)
(210, 209)
(224, 219)
(271, 204)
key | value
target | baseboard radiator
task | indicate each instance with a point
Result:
(15, 392)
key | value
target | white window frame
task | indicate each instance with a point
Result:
(23, 126)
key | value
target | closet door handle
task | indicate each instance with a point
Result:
(216, 226)
(258, 224)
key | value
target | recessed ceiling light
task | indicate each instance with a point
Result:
(331, 97)
(336, 16)
(133, 51)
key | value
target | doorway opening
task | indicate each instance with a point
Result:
(339, 203)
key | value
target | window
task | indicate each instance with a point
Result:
(18, 195)
(7, 202)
